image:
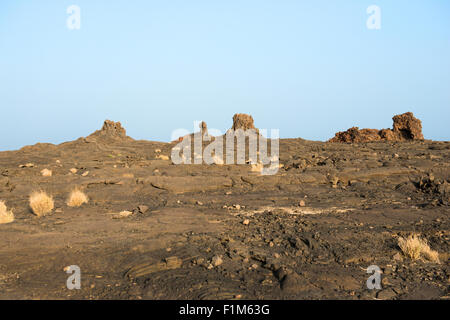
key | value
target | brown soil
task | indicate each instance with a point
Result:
(224, 232)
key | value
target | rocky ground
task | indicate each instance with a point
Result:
(224, 231)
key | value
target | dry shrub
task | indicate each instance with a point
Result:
(41, 203)
(6, 216)
(77, 198)
(416, 248)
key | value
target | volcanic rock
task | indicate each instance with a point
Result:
(243, 121)
(204, 129)
(111, 130)
(406, 127)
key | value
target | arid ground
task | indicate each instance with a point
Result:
(225, 231)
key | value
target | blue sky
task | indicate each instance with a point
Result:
(308, 68)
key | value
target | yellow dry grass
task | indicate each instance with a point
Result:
(417, 248)
(77, 198)
(41, 203)
(6, 216)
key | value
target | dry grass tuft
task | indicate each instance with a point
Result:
(6, 216)
(41, 203)
(416, 248)
(77, 198)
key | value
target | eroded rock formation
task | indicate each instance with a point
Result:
(405, 127)
(243, 121)
(110, 130)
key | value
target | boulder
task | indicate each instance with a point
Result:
(407, 127)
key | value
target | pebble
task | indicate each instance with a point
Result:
(142, 209)
(27, 165)
(216, 261)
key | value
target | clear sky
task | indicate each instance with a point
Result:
(309, 68)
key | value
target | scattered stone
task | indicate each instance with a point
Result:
(199, 203)
(291, 282)
(397, 257)
(142, 209)
(122, 214)
(216, 261)
(302, 203)
(145, 269)
(173, 262)
(387, 294)
(246, 222)
(84, 174)
(27, 165)
(162, 157)
(46, 173)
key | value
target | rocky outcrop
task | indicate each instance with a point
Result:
(204, 129)
(110, 130)
(406, 127)
(243, 121)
